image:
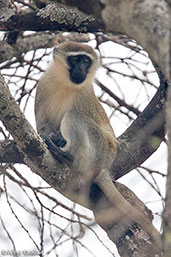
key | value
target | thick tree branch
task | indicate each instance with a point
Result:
(9, 153)
(6, 10)
(53, 17)
(32, 147)
(87, 6)
(167, 209)
(146, 22)
(144, 135)
(129, 238)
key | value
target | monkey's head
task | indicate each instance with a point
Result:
(76, 63)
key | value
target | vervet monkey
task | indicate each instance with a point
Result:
(76, 127)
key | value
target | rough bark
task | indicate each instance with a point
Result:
(52, 18)
(144, 135)
(167, 210)
(148, 22)
(9, 152)
(32, 147)
(129, 238)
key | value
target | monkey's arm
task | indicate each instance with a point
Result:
(50, 133)
(106, 184)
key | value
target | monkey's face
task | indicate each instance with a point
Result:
(75, 64)
(79, 66)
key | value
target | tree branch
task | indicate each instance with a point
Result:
(143, 136)
(143, 21)
(34, 150)
(129, 238)
(53, 17)
(9, 152)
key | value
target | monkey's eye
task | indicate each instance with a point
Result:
(87, 60)
(75, 58)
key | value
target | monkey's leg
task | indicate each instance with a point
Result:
(61, 156)
(106, 184)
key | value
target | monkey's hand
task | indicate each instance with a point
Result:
(58, 139)
(53, 143)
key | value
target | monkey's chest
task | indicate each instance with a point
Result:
(59, 105)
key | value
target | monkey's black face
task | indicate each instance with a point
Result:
(79, 67)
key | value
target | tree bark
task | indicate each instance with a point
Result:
(167, 209)
(52, 18)
(129, 238)
(32, 147)
(143, 136)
